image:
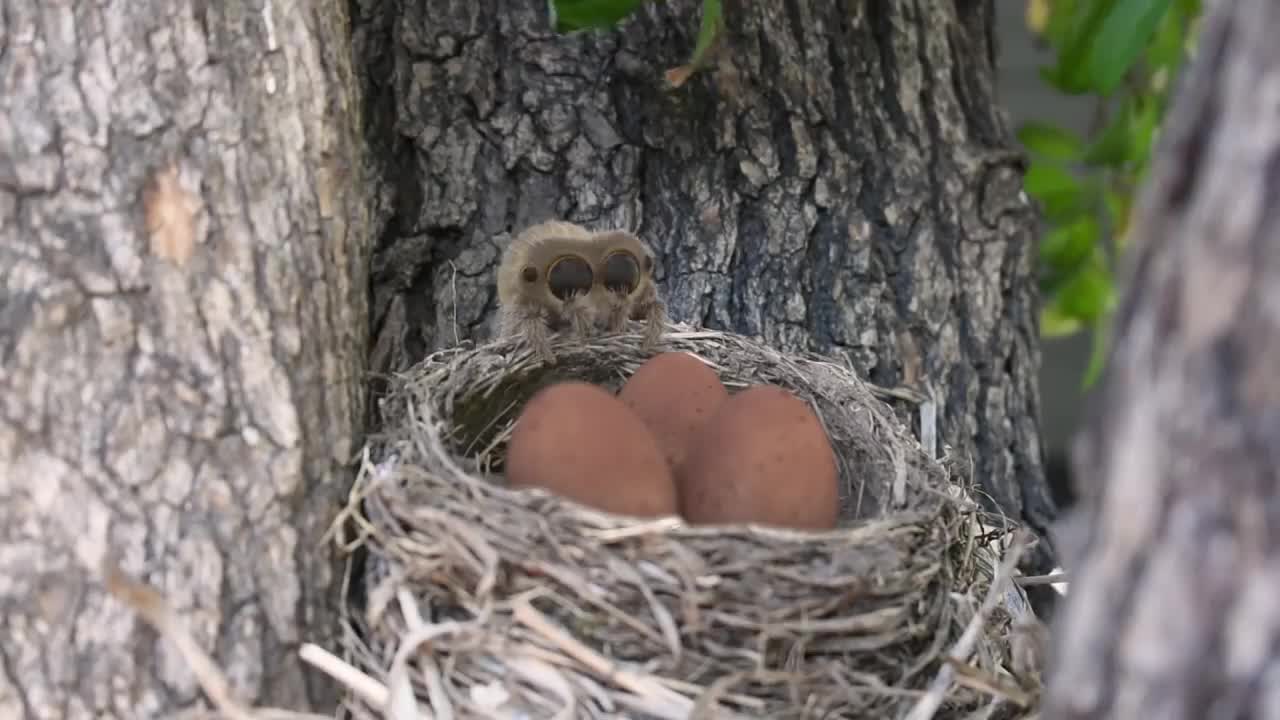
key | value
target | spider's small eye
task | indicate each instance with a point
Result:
(648, 264)
(621, 272)
(569, 275)
(529, 274)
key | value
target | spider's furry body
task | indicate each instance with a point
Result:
(558, 276)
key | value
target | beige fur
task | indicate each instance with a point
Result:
(530, 310)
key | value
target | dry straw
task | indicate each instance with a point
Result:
(475, 601)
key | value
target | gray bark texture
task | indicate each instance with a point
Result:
(183, 332)
(840, 182)
(1173, 610)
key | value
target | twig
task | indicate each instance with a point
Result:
(670, 704)
(436, 693)
(155, 610)
(976, 679)
(370, 690)
(546, 675)
(1051, 578)
(927, 705)
(151, 606)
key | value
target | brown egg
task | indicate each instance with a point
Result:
(579, 441)
(675, 394)
(763, 458)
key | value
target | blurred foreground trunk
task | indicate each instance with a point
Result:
(182, 341)
(841, 181)
(1173, 611)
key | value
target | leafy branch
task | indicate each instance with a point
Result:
(1124, 53)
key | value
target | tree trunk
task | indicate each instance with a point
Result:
(842, 182)
(1173, 612)
(182, 339)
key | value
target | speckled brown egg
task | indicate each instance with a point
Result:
(579, 441)
(762, 458)
(674, 394)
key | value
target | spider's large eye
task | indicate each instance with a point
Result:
(569, 275)
(621, 272)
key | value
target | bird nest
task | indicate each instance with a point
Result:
(472, 600)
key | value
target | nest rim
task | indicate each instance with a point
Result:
(427, 399)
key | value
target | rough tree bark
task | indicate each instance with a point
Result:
(1173, 612)
(182, 338)
(843, 183)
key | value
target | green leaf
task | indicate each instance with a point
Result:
(1058, 191)
(1142, 133)
(572, 15)
(1053, 324)
(1121, 38)
(1037, 16)
(1070, 74)
(1189, 9)
(1087, 295)
(708, 30)
(1050, 142)
(1168, 46)
(1097, 354)
(1056, 78)
(1082, 300)
(1066, 248)
(1118, 207)
(1044, 179)
(1058, 30)
(1111, 149)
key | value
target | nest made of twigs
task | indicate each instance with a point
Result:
(480, 601)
